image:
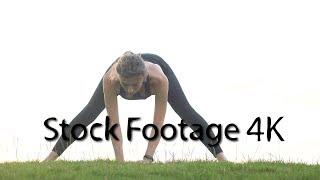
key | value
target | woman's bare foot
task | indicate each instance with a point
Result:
(51, 157)
(221, 157)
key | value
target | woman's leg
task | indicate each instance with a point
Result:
(88, 114)
(181, 106)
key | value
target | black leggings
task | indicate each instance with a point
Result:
(176, 99)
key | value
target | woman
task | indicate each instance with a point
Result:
(138, 76)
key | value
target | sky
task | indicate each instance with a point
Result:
(235, 60)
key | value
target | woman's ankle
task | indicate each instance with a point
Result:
(221, 157)
(51, 157)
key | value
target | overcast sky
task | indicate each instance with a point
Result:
(235, 60)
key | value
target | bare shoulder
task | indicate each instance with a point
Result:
(157, 78)
(156, 74)
(110, 83)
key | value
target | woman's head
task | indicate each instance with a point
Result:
(131, 70)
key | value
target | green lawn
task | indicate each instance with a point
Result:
(106, 169)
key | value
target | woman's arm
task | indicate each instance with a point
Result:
(111, 103)
(161, 97)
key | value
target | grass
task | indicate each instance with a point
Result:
(106, 169)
